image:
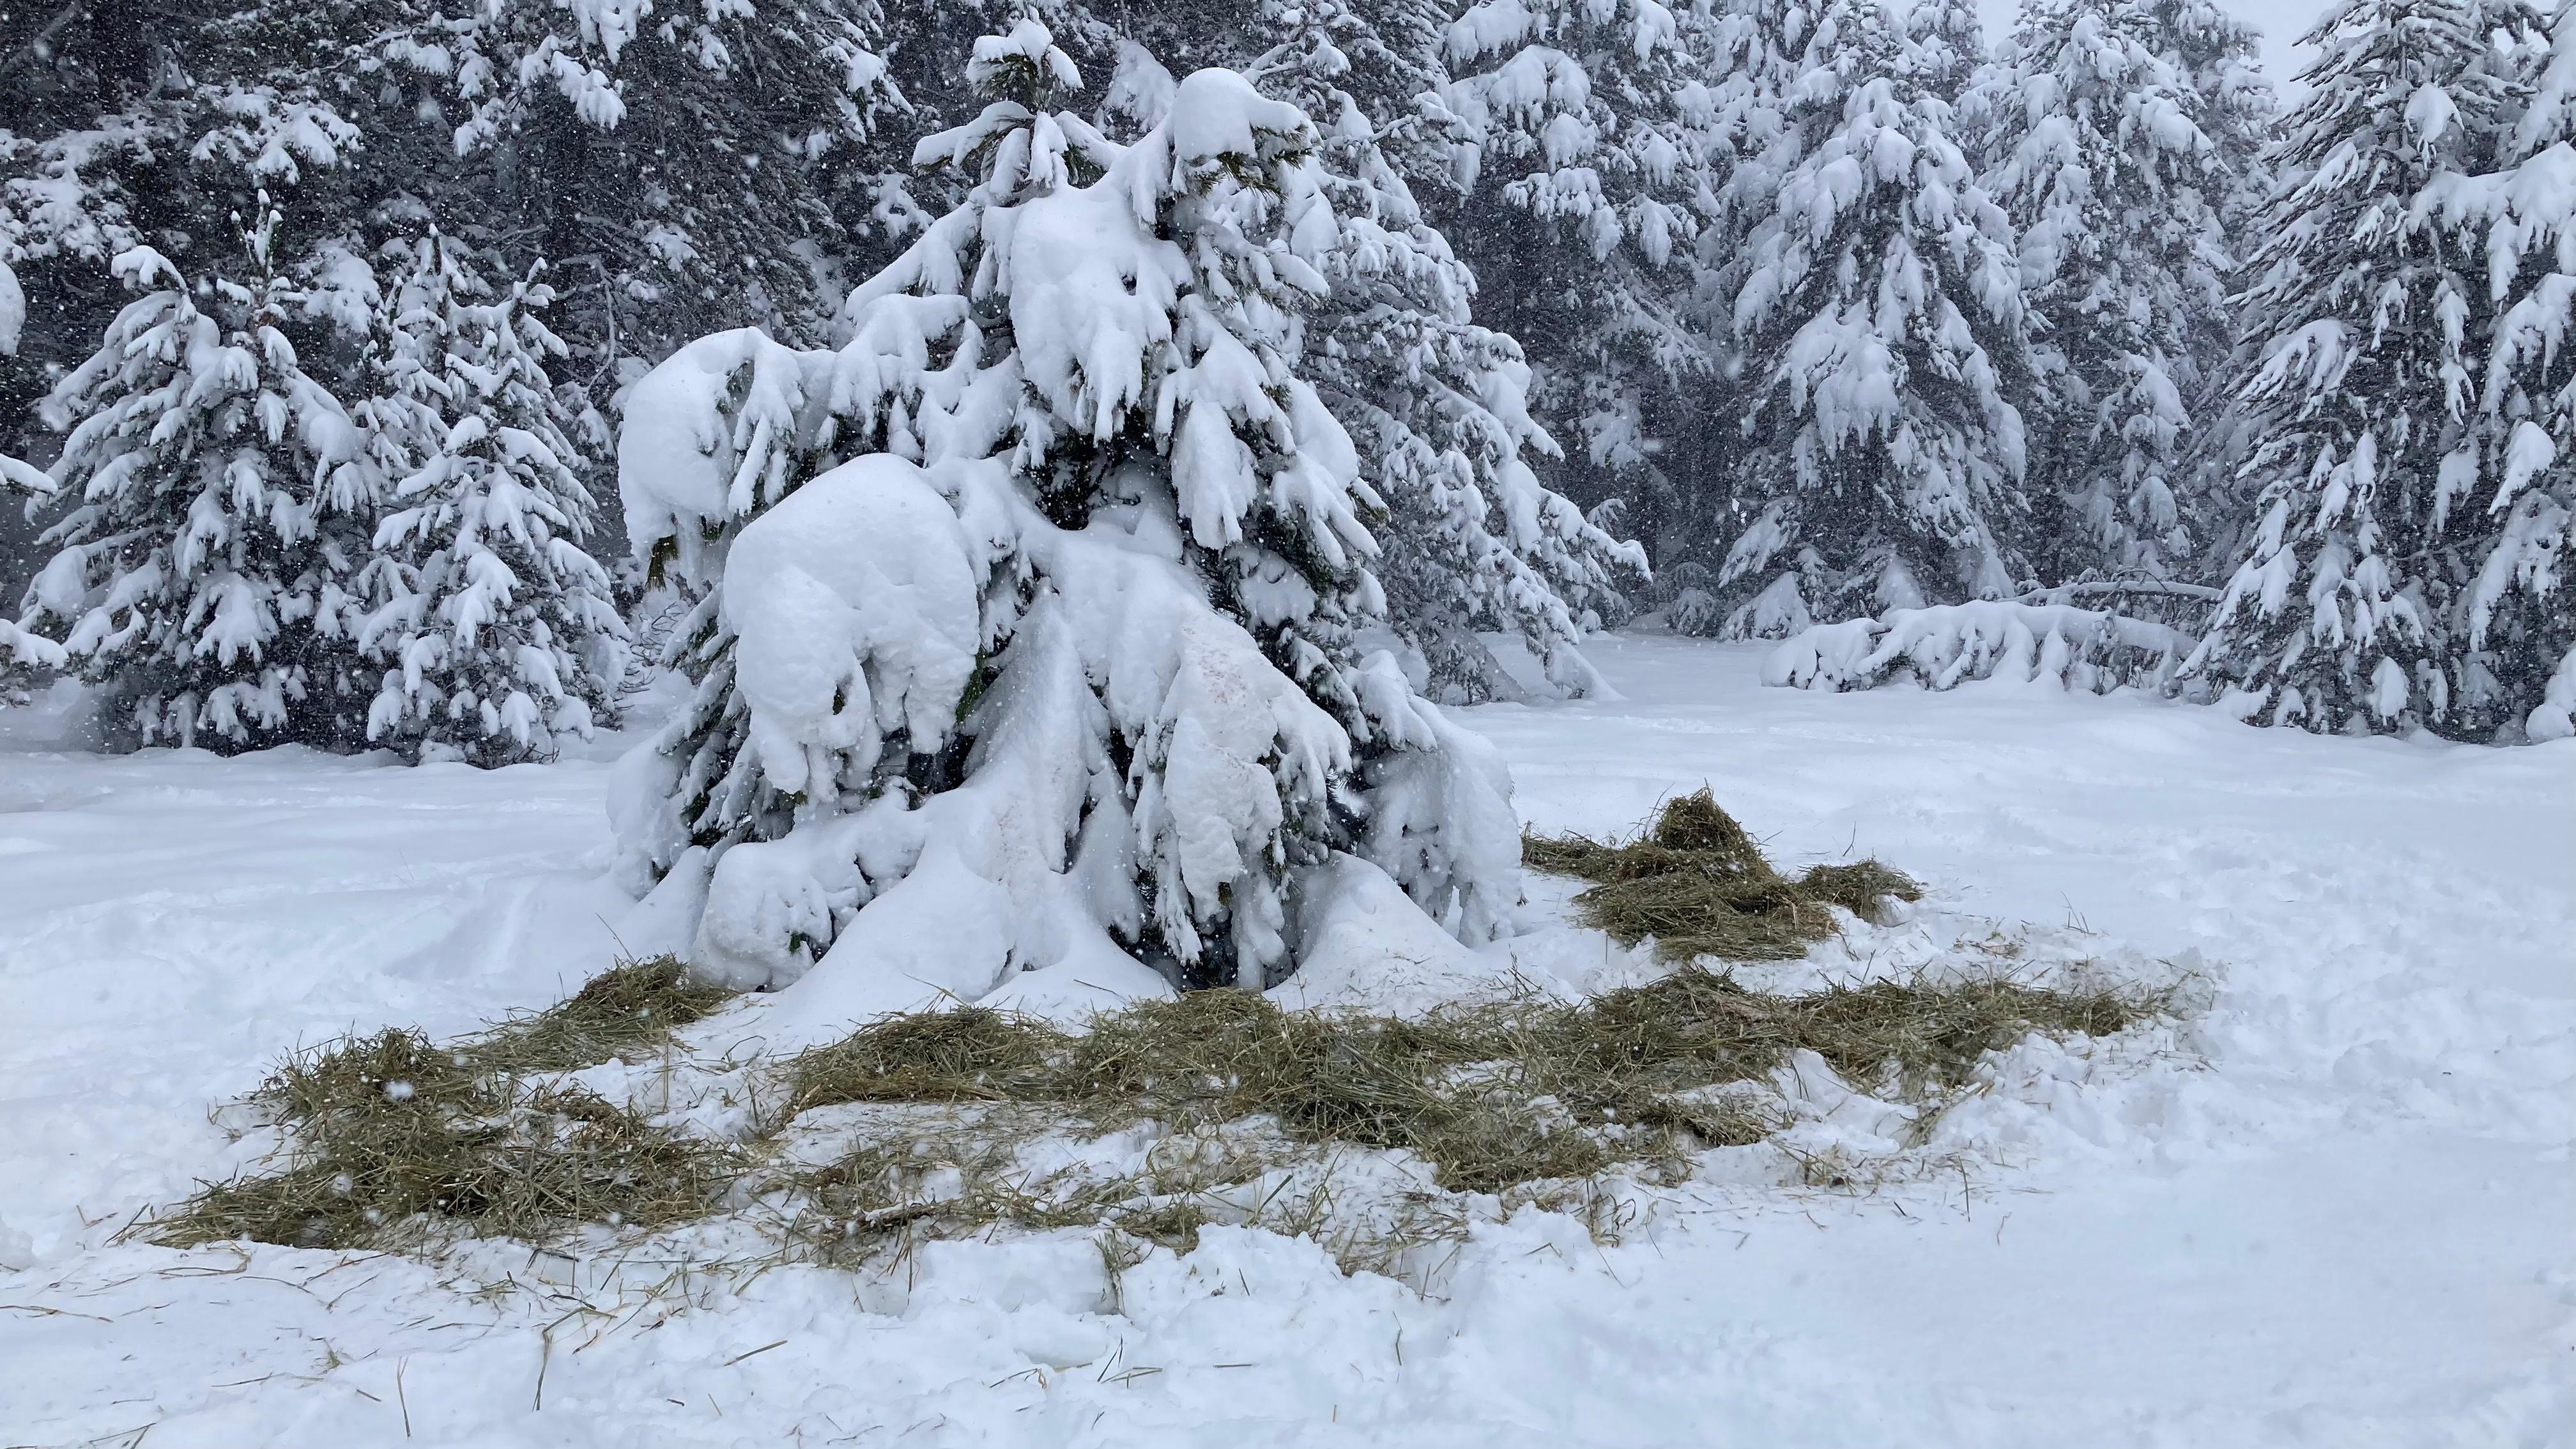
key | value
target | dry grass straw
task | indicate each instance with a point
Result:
(1699, 886)
(393, 1141)
(1492, 1096)
(391, 1138)
(628, 1012)
(971, 1054)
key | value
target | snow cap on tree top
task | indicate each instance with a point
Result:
(1219, 123)
(141, 266)
(1024, 65)
(1216, 114)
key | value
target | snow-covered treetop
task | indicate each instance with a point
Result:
(1184, 331)
(1023, 64)
(1876, 129)
(1592, 103)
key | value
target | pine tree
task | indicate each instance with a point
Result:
(1119, 698)
(204, 578)
(2346, 611)
(1438, 405)
(1584, 184)
(682, 171)
(2121, 199)
(1877, 305)
(1948, 46)
(1473, 540)
(128, 123)
(2218, 56)
(494, 624)
(2508, 490)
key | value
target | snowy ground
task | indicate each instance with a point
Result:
(2338, 1214)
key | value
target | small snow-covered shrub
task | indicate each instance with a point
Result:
(495, 628)
(1029, 623)
(2091, 650)
(207, 576)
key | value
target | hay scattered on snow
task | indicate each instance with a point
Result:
(1699, 886)
(1491, 1095)
(628, 1012)
(969, 1054)
(973, 1119)
(391, 1139)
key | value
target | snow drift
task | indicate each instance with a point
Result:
(2091, 650)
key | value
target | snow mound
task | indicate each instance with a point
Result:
(2554, 718)
(1367, 947)
(2089, 650)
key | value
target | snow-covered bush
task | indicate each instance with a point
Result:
(2091, 650)
(206, 576)
(497, 628)
(1058, 668)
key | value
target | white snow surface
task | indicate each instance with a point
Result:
(2332, 1207)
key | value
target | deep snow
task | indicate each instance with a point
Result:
(2338, 1211)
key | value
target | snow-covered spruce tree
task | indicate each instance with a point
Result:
(494, 626)
(1878, 309)
(2120, 199)
(1473, 541)
(204, 577)
(1583, 184)
(1949, 46)
(1437, 405)
(126, 122)
(2508, 491)
(682, 168)
(2219, 56)
(2379, 450)
(1057, 669)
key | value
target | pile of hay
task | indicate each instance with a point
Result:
(390, 1138)
(1698, 886)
